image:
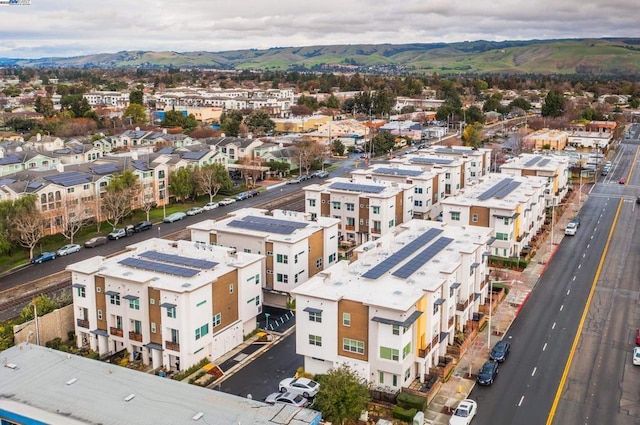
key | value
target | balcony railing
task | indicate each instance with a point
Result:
(462, 306)
(135, 336)
(174, 346)
(83, 323)
(116, 331)
(352, 228)
(376, 231)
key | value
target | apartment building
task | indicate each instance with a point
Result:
(168, 303)
(107, 98)
(477, 162)
(392, 312)
(554, 140)
(512, 207)
(296, 248)
(555, 168)
(366, 211)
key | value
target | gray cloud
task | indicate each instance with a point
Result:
(76, 27)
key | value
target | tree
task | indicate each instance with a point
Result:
(136, 97)
(343, 395)
(26, 223)
(308, 153)
(137, 112)
(75, 215)
(76, 104)
(182, 185)
(382, 143)
(230, 123)
(308, 101)
(492, 104)
(553, 104)
(473, 114)
(44, 106)
(333, 102)
(118, 199)
(211, 178)
(259, 122)
(521, 103)
(472, 135)
(337, 147)
(173, 118)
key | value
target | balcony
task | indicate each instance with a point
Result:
(173, 346)
(451, 321)
(376, 231)
(116, 332)
(352, 228)
(83, 323)
(135, 336)
(462, 306)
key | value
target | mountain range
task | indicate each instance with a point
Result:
(595, 57)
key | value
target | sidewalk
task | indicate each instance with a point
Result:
(463, 379)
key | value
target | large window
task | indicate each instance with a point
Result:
(406, 350)
(346, 319)
(134, 304)
(335, 205)
(81, 292)
(502, 236)
(375, 210)
(389, 354)
(114, 299)
(282, 278)
(353, 346)
(350, 206)
(315, 316)
(171, 312)
(455, 216)
(315, 340)
(281, 258)
(312, 202)
(217, 319)
(202, 331)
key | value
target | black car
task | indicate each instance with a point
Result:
(500, 351)
(488, 373)
(142, 226)
(576, 220)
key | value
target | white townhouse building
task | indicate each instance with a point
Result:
(366, 210)
(169, 303)
(477, 162)
(296, 248)
(392, 312)
(107, 98)
(555, 168)
(512, 207)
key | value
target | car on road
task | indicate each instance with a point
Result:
(576, 220)
(242, 196)
(210, 206)
(142, 226)
(294, 180)
(287, 398)
(571, 229)
(43, 256)
(322, 174)
(303, 386)
(253, 192)
(500, 351)
(622, 181)
(226, 201)
(638, 337)
(117, 234)
(487, 373)
(176, 216)
(636, 356)
(464, 413)
(195, 211)
(94, 242)
(68, 249)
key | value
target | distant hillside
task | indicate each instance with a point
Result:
(604, 56)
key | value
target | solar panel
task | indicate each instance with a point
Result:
(506, 190)
(10, 159)
(262, 227)
(354, 187)
(397, 172)
(489, 193)
(158, 267)
(34, 185)
(194, 155)
(72, 178)
(179, 259)
(532, 161)
(275, 221)
(400, 255)
(544, 162)
(422, 160)
(140, 164)
(104, 169)
(7, 181)
(166, 150)
(422, 258)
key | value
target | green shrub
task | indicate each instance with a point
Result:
(404, 414)
(409, 401)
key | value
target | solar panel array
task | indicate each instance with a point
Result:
(104, 169)
(506, 190)
(194, 155)
(179, 259)
(275, 221)
(10, 159)
(140, 164)
(398, 172)
(72, 178)
(158, 267)
(7, 181)
(355, 187)
(269, 225)
(400, 255)
(422, 258)
(166, 150)
(544, 162)
(532, 161)
(33, 185)
(440, 161)
(490, 193)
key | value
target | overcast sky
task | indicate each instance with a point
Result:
(78, 27)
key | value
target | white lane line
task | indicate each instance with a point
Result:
(562, 307)
(574, 278)
(588, 245)
(568, 291)
(521, 400)
(544, 347)
(554, 325)
(534, 371)
(579, 266)
(584, 255)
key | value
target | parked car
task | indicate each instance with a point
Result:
(43, 256)
(638, 337)
(210, 206)
(253, 192)
(500, 351)
(488, 373)
(117, 234)
(294, 180)
(571, 229)
(242, 196)
(464, 413)
(287, 398)
(322, 174)
(576, 220)
(226, 201)
(68, 249)
(636, 356)
(195, 211)
(142, 226)
(303, 386)
(176, 216)
(94, 242)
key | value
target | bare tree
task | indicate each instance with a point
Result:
(211, 178)
(117, 205)
(27, 228)
(148, 201)
(75, 215)
(308, 152)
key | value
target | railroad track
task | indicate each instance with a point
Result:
(13, 300)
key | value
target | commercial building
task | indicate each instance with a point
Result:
(295, 247)
(391, 314)
(169, 304)
(554, 140)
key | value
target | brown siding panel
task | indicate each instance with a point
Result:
(224, 302)
(483, 216)
(363, 214)
(359, 329)
(268, 246)
(101, 302)
(155, 315)
(325, 205)
(316, 243)
(213, 238)
(399, 215)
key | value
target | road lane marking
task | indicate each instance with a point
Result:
(544, 347)
(574, 278)
(521, 400)
(568, 291)
(584, 255)
(534, 371)
(580, 266)
(562, 307)
(554, 325)
(588, 245)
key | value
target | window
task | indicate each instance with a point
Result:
(335, 205)
(447, 175)
(295, 259)
(171, 312)
(473, 174)
(376, 225)
(153, 327)
(332, 257)
(351, 221)
(353, 346)
(318, 263)
(474, 218)
(407, 373)
(375, 210)
(99, 314)
(417, 190)
(258, 279)
(395, 380)
(257, 299)
(505, 220)
(81, 292)
(312, 202)
(392, 222)
(406, 350)
(217, 319)
(152, 301)
(346, 319)
(389, 354)
(134, 304)
(435, 308)
(281, 258)
(114, 299)
(137, 326)
(315, 340)
(202, 331)
(455, 216)
(350, 206)
(231, 288)
(417, 203)
(381, 377)
(502, 236)
(175, 336)
(283, 278)
(315, 316)
(396, 330)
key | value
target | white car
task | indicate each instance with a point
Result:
(636, 356)
(303, 386)
(571, 229)
(226, 201)
(195, 211)
(464, 413)
(287, 398)
(210, 206)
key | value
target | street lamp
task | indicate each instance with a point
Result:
(266, 315)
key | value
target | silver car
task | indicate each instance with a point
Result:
(68, 249)
(287, 398)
